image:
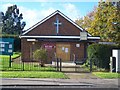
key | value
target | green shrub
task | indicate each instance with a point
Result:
(40, 55)
(100, 55)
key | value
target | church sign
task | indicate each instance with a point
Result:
(83, 35)
(48, 46)
(6, 46)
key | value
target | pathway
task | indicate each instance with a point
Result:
(81, 76)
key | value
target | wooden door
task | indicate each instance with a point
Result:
(63, 51)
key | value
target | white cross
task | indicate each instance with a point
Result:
(57, 23)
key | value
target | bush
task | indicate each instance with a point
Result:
(40, 55)
(100, 54)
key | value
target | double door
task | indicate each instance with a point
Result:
(63, 51)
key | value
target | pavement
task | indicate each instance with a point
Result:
(81, 76)
(76, 80)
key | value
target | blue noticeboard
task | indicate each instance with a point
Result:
(6, 46)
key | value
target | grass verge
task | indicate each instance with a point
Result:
(107, 75)
(32, 74)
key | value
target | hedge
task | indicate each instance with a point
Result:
(100, 54)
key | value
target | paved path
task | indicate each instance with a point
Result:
(81, 76)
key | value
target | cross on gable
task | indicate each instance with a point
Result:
(57, 23)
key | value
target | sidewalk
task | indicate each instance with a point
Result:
(81, 76)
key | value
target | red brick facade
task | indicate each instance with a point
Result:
(28, 47)
(47, 28)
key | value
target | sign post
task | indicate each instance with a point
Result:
(10, 61)
(6, 47)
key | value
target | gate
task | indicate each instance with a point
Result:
(71, 66)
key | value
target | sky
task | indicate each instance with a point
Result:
(34, 12)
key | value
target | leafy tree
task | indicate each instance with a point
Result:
(86, 21)
(106, 23)
(11, 20)
(1, 23)
(103, 21)
(40, 55)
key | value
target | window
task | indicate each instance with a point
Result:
(77, 45)
(10, 46)
(2, 49)
(10, 51)
(2, 45)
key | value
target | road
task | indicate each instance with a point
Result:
(58, 83)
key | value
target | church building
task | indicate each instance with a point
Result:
(60, 36)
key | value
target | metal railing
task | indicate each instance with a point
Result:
(19, 65)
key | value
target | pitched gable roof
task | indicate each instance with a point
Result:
(51, 15)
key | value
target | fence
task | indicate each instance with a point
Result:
(99, 64)
(18, 65)
(87, 65)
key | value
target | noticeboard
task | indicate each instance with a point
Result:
(6, 46)
(49, 46)
(83, 35)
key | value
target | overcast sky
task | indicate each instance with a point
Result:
(36, 11)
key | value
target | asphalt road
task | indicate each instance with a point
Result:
(77, 81)
(58, 83)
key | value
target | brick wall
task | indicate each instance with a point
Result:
(27, 46)
(48, 28)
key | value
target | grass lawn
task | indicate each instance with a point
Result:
(15, 54)
(18, 66)
(4, 60)
(107, 75)
(31, 70)
(32, 74)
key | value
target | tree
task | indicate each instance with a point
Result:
(1, 23)
(40, 55)
(106, 23)
(103, 21)
(12, 21)
(86, 21)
